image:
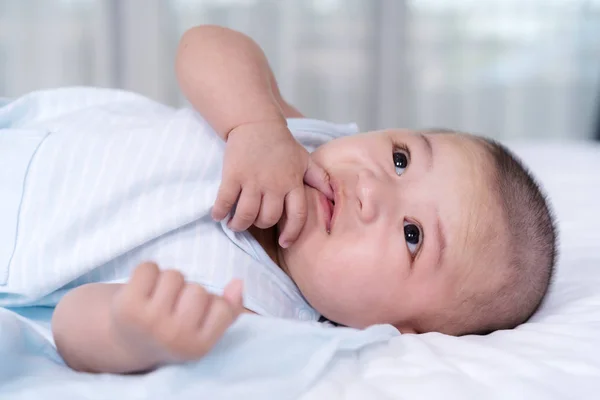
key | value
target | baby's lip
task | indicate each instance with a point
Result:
(335, 202)
(327, 206)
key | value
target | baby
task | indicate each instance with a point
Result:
(429, 231)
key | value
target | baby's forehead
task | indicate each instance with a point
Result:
(459, 141)
(460, 165)
(467, 201)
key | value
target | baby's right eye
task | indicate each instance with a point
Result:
(412, 235)
(401, 159)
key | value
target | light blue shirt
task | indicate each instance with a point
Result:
(96, 181)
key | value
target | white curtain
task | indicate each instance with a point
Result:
(504, 68)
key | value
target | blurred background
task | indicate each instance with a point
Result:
(504, 68)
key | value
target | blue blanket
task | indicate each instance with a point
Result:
(258, 358)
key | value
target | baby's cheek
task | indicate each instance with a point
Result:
(357, 273)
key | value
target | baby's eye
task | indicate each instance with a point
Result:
(412, 235)
(400, 161)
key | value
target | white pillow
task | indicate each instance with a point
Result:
(569, 173)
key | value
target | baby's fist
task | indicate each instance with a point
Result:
(173, 319)
(264, 170)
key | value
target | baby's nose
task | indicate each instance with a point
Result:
(368, 192)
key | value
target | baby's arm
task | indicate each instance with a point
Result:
(156, 318)
(226, 77)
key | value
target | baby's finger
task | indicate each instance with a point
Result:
(295, 211)
(192, 306)
(143, 280)
(246, 209)
(167, 292)
(136, 293)
(270, 212)
(226, 198)
(233, 293)
(219, 317)
(318, 178)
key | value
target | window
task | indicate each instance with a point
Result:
(504, 68)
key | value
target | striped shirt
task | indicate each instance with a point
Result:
(95, 181)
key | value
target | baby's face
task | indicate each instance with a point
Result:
(397, 243)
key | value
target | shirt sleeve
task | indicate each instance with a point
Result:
(312, 133)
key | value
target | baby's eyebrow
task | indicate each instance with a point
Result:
(441, 239)
(428, 146)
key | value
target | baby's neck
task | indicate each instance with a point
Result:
(267, 238)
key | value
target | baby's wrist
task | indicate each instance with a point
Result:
(275, 126)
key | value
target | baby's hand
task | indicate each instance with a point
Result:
(265, 167)
(166, 319)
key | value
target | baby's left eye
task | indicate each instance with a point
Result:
(413, 237)
(400, 161)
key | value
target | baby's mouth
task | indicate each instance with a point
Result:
(331, 210)
(328, 206)
(332, 205)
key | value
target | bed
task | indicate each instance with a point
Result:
(556, 355)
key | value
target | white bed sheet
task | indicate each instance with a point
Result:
(554, 356)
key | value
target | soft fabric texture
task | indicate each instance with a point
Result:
(258, 358)
(96, 181)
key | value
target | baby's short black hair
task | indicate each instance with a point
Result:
(531, 243)
(510, 285)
